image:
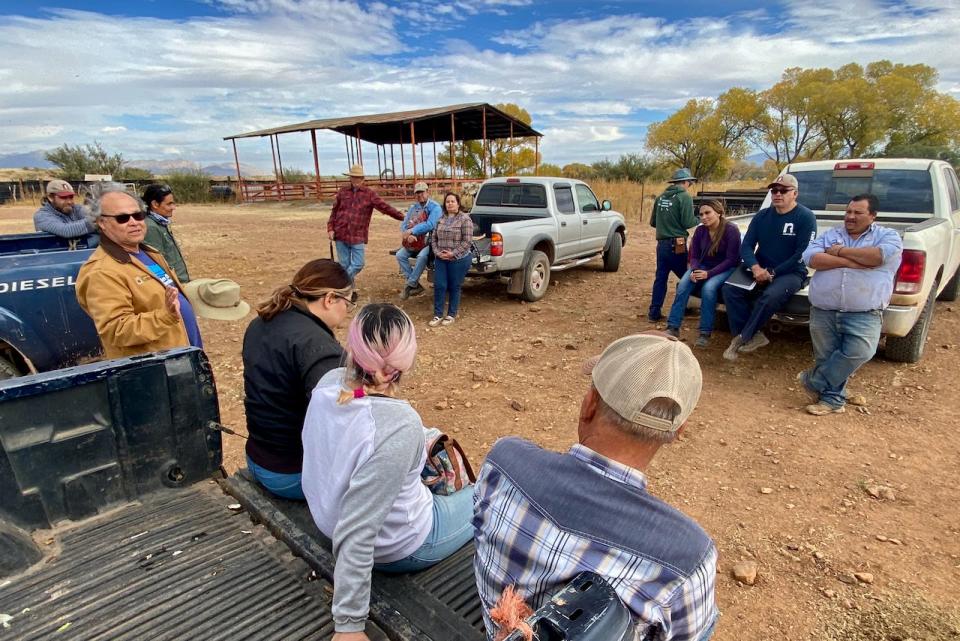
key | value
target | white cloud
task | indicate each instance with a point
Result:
(156, 85)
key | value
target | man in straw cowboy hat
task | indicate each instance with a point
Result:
(349, 221)
(672, 216)
(542, 517)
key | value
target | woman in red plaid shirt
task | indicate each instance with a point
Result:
(452, 258)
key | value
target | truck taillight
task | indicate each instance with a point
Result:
(853, 166)
(910, 275)
(496, 245)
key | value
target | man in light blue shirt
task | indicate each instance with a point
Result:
(856, 264)
(420, 220)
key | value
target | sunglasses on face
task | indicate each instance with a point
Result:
(781, 191)
(123, 219)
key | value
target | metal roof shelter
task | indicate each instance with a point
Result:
(454, 123)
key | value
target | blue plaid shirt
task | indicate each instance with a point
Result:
(540, 518)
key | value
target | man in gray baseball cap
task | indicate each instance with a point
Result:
(542, 517)
(421, 219)
(60, 215)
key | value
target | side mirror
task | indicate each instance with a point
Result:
(606, 205)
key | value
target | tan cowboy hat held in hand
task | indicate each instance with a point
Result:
(356, 171)
(216, 298)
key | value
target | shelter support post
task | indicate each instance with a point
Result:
(316, 160)
(413, 150)
(484, 111)
(236, 160)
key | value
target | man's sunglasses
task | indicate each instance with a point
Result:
(123, 219)
(782, 191)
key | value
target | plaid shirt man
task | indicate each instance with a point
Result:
(541, 517)
(352, 209)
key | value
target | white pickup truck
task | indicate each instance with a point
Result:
(918, 198)
(528, 227)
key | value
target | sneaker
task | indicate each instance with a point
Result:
(731, 352)
(755, 343)
(822, 409)
(435, 321)
(809, 391)
(448, 320)
(417, 289)
(405, 294)
(703, 340)
(674, 331)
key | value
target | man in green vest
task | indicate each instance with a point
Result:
(672, 217)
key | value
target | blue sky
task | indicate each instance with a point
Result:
(168, 79)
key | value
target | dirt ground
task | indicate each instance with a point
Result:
(768, 482)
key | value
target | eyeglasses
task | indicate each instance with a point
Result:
(784, 190)
(351, 300)
(123, 219)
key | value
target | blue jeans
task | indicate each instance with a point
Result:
(842, 342)
(452, 529)
(350, 257)
(448, 276)
(286, 486)
(709, 291)
(667, 261)
(412, 274)
(749, 310)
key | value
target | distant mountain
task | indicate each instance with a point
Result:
(25, 159)
(162, 167)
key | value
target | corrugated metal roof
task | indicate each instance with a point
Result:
(428, 124)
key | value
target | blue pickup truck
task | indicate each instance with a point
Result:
(42, 327)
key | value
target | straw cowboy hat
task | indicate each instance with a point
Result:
(356, 171)
(216, 298)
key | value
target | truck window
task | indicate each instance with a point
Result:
(588, 202)
(950, 178)
(564, 196)
(899, 190)
(512, 195)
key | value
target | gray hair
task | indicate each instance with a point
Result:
(97, 191)
(665, 408)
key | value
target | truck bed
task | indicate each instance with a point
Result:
(178, 565)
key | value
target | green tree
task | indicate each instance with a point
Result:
(75, 162)
(505, 156)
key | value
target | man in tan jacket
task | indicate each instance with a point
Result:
(128, 289)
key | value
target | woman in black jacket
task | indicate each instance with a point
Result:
(286, 350)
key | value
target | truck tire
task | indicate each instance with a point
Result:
(536, 277)
(611, 257)
(909, 348)
(952, 290)
(7, 369)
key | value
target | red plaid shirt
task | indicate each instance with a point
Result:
(352, 209)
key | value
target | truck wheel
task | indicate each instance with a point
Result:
(611, 257)
(536, 277)
(909, 348)
(952, 290)
(7, 369)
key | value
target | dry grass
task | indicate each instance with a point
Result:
(627, 196)
(895, 618)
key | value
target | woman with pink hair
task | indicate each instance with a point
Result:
(363, 451)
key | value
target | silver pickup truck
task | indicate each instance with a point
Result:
(918, 198)
(527, 227)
